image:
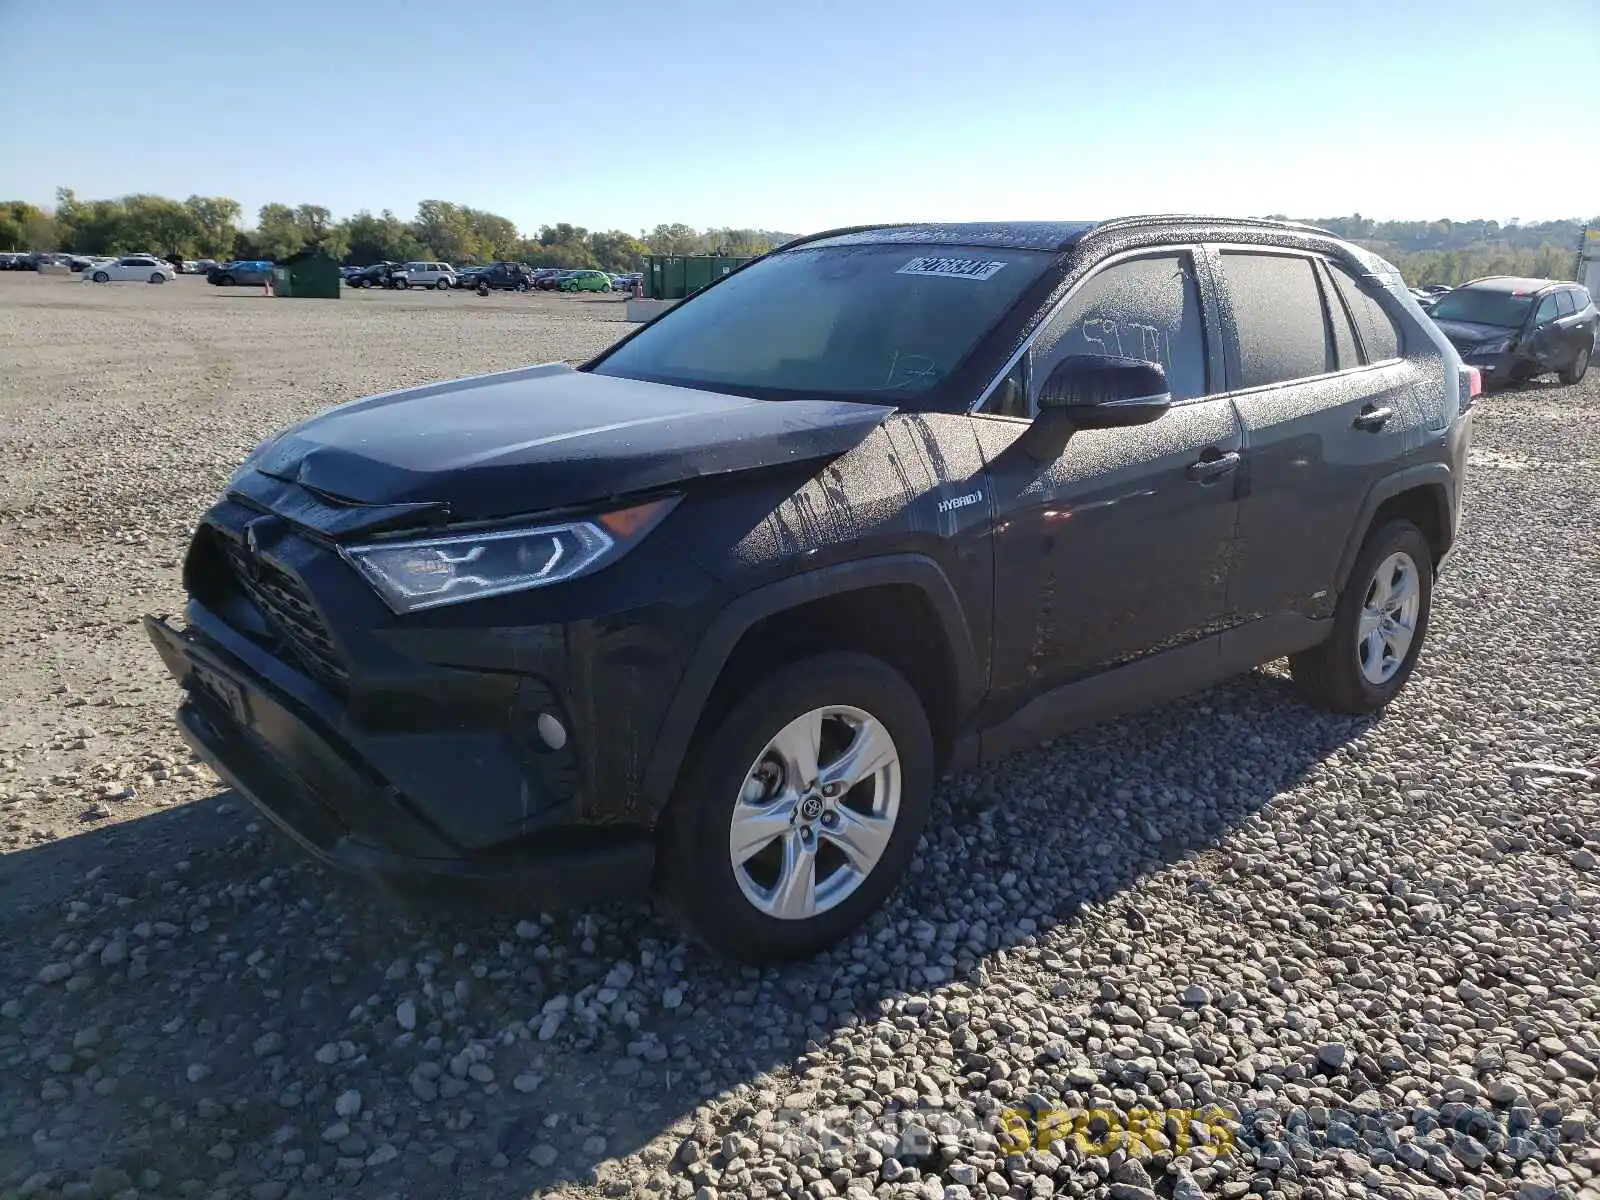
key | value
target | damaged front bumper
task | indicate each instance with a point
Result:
(305, 767)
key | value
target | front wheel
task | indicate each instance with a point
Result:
(1379, 625)
(225, 281)
(157, 277)
(402, 284)
(101, 277)
(442, 285)
(1580, 366)
(798, 815)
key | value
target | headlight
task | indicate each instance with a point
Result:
(1493, 346)
(415, 574)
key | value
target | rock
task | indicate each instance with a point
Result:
(107, 1181)
(268, 1044)
(348, 1103)
(406, 1014)
(54, 972)
(543, 1155)
(1332, 1055)
(196, 1072)
(1196, 995)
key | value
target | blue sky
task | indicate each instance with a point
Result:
(802, 114)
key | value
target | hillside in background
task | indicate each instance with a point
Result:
(1455, 251)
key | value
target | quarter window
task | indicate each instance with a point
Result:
(1277, 308)
(1346, 350)
(1146, 308)
(1379, 336)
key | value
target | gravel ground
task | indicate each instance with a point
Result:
(1365, 950)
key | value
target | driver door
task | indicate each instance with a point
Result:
(1120, 543)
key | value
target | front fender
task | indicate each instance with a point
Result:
(723, 634)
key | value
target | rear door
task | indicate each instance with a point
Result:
(1552, 344)
(1328, 407)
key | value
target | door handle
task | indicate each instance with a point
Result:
(1373, 418)
(1212, 468)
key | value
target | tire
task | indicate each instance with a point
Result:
(224, 280)
(483, 289)
(1353, 672)
(1579, 367)
(716, 900)
(101, 277)
(402, 284)
(441, 285)
(157, 277)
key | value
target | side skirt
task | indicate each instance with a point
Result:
(1142, 684)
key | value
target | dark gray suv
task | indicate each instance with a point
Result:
(1514, 329)
(709, 613)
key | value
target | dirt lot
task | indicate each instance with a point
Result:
(1234, 900)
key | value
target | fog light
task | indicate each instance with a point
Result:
(552, 731)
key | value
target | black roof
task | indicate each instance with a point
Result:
(1515, 284)
(1025, 235)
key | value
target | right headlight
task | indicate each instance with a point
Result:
(417, 573)
(1497, 345)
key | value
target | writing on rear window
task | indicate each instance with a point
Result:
(952, 268)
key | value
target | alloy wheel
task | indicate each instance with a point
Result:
(816, 812)
(1388, 622)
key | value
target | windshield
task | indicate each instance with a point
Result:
(1483, 307)
(837, 321)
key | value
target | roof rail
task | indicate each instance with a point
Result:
(1196, 218)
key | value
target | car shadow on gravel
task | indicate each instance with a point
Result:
(184, 995)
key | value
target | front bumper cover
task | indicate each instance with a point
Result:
(314, 785)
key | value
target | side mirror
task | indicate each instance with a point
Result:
(1100, 391)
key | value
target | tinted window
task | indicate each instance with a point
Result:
(1547, 309)
(1379, 336)
(873, 321)
(1564, 304)
(1344, 335)
(1145, 308)
(1283, 333)
(1484, 306)
(1580, 298)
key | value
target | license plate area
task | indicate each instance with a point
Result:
(224, 691)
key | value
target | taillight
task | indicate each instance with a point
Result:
(1474, 381)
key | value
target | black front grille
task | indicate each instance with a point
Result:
(289, 611)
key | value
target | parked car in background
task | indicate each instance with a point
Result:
(203, 266)
(1513, 329)
(503, 276)
(1056, 490)
(382, 274)
(437, 275)
(552, 280)
(627, 281)
(245, 272)
(140, 267)
(586, 281)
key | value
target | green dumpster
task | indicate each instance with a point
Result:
(674, 276)
(311, 274)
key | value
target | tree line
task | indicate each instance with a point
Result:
(213, 227)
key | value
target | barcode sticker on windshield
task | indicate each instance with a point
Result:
(951, 268)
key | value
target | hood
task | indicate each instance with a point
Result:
(1466, 334)
(536, 439)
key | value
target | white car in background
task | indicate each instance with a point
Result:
(139, 267)
(441, 276)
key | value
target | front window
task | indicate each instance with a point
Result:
(1483, 306)
(872, 322)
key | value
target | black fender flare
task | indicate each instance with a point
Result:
(1436, 477)
(715, 647)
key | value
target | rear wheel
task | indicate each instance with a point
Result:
(1379, 625)
(798, 815)
(225, 281)
(1579, 367)
(157, 277)
(442, 284)
(101, 277)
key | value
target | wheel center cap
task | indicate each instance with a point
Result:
(810, 808)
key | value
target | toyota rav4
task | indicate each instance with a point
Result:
(709, 614)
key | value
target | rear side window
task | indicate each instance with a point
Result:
(1580, 298)
(1145, 308)
(1277, 307)
(1564, 304)
(1547, 310)
(1379, 336)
